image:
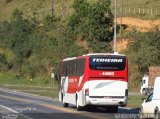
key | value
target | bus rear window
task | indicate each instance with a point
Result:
(112, 63)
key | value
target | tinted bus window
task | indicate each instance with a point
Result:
(73, 67)
(113, 63)
(81, 66)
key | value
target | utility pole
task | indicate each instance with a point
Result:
(63, 8)
(115, 25)
(52, 7)
(121, 19)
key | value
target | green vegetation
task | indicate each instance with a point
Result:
(33, 8)
(93, 23)
(143, 51)
(42, 86)
(51, 91)
(32, 40)
(11, 79)
(135, 101)
(29, 47)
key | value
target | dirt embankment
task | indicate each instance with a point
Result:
(139, 24)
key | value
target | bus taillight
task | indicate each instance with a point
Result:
(87, 92)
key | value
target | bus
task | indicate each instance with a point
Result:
(98, 79)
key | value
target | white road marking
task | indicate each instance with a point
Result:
(13, 111)
(9, 109)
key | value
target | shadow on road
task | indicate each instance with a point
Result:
(103, 110)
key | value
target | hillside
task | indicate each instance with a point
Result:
(135, 23)
(38, 42)
(143, 9)
(33, 41)
(63, 7)
(139, 24)
(35, 7)
(43, 7)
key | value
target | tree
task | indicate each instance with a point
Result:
(146, 50)
(93, 23)
(143, 51)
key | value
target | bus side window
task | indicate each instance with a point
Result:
(78, 68)
(70, 68)
(82, 66)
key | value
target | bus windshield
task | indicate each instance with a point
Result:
(112, 63)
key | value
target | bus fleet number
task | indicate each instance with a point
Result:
(108, 73)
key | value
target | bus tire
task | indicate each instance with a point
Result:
(64, 104)
(79, 108)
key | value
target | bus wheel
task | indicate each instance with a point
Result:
(79, 108)
(64, 104)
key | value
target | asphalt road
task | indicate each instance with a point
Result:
(16, 105)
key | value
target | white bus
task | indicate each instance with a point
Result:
(94, 80)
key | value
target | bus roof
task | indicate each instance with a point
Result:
(104, 54)
(92, 54)
(67, 59)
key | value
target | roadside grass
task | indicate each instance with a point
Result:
(12, 79)
(42, 86)
(41, 91)
(27, 87)
(135, 101)
(9, 78)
